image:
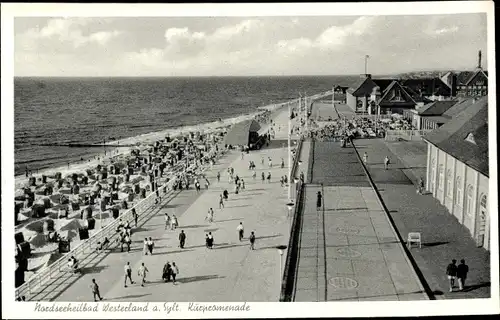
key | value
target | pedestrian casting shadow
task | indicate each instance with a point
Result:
(204, 245)
(193, 226)
(437, 292)
(433, 244)
(96, 269)
(231, 246)
(476, 286)
(228, 220)
(129, 296)
(199, 278)
(176, 251)
(266, 237)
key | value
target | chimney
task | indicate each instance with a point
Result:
(479, 60)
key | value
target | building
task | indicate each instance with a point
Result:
(358, 95)
(430, 115)
(396, 95)
(458, 168)
(468, 83)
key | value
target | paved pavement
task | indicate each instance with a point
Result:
(348, 249)
(323, 112)
(229, 272)
(444, 238)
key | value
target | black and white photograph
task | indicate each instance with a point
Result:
(199, 160)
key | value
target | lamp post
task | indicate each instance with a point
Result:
(281, 251)
(289, 150)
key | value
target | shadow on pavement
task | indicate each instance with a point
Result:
(95, 269)
(193, 226)
(228, 220)
(476, 286)
(433, 244)
(176, 251)
(199, 278)
(129, 296)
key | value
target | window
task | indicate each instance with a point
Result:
(484, 202)
(470, 193)
(449, 181)
(441, 177)
(458, 188)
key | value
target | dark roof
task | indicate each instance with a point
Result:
(394, 84)
(463, 77)
(239, 134)
(436, 108)
(450, 137)
(356, 85)
(457, 108)
(428, 86)
(383, 83)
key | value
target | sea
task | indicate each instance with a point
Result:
(94, 110)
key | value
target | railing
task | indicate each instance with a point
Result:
(50, 273)
(290, 265)
(411, 135)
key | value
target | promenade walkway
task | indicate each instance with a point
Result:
(444, 238)
(229, 272)
(348, 249)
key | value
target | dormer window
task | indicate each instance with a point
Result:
(470, 138)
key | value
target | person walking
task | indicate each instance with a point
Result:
(221, 202)
(242, 184)
(218, 176)
(269, 177)
(142, 273)
(135, 216)
(451, 273)
(254, 174)
(319, 200)
(462, 271)
(252, 241)
(210, 240)
(128, 274)
(386, 162)
(175, 272)
(262, 160)
(95, 290)
(167, 272)
(173, 223)
(263, 176)
(127, 240)
(421, 186)
(145, 249)
(206, 240)
(240, 230)
(167, 221)
(182, 239)
(282, 163)
(151, 245)
(365, 158)
(270, 162)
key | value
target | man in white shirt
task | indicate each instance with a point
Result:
(128, 274)
(240, 230)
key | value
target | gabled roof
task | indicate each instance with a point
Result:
(457, 108)
(395, 84)
(436, 108)
(383, 83)
(451, 137)
(463, 77)
(428, 86)
(478, 71)
(362, 88)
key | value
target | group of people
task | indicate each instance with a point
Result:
(387, 161)
(454, 272)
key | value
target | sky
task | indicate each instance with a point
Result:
(246, 46)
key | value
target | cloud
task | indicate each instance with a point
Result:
(65, 30)
(332, 38)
